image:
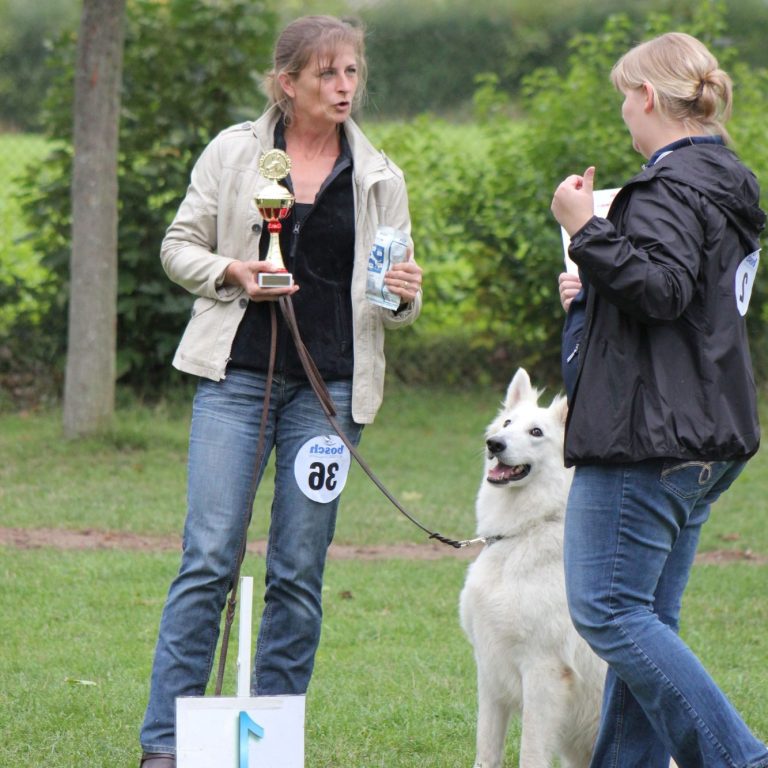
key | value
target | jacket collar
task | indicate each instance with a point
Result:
(367, 159)
(685, 142)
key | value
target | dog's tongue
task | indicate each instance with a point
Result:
(501, 473)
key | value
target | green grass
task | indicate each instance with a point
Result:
(426, 446)
(135, 479)
(394, 684)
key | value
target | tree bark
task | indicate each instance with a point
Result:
(89, 385)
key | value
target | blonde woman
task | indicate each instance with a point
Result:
(662, 402)
(215, 248)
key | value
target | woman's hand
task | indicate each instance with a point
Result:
(569, 286)
(246, 274)
(572, 203)
(404, 279)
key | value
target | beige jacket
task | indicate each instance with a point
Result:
(217, 222)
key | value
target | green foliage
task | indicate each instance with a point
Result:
(479, 193)
(480, 198)
(426, 56)
(748, 136)
(190, 69)
(25, 32)
(572, 120)
(443, 163)
(27, 356)
(438, 170)
(746, 22)
(22, 277)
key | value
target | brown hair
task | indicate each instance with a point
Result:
(306, 38)
(687, 81)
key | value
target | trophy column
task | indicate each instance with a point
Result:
(274, 203)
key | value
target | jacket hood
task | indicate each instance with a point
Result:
(716, 172)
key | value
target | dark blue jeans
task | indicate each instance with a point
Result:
(222, 452)
(631, 535)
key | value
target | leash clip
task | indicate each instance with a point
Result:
(456, 544)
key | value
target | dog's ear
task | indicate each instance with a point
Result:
(519, 389)
(559, 407)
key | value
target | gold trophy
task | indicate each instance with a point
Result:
(274, 203)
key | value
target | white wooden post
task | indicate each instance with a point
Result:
(244, 637)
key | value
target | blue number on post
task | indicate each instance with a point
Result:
(247, 726)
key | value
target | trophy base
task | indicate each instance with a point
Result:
(275, 279)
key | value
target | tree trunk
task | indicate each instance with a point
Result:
(89, 385)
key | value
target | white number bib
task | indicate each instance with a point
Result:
(745, 279)
(321, 468)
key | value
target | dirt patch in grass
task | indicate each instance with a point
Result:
(61, 538)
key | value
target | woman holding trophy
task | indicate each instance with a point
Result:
(238, 244)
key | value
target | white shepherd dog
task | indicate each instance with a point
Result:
(513, 609)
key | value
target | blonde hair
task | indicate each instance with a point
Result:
(687, 81)
(303, 40)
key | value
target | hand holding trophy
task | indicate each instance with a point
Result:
(274, 203)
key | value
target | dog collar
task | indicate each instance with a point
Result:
(488, 540)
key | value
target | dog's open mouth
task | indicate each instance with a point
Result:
(503, 473)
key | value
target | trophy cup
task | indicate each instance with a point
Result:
(274, 203)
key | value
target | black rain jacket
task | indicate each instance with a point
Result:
(664, 364)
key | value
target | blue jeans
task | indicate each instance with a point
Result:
(631, 533)
(222, 451)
